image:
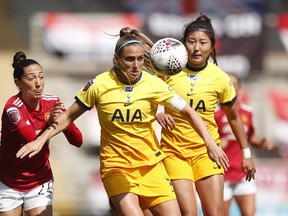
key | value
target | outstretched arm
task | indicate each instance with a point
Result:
(260, 143)
(73, 135)
(216, 154)
(238, 130)
(62, 122)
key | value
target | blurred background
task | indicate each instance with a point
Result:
(74, 41)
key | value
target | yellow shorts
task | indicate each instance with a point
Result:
(193, 168)
(151, 183)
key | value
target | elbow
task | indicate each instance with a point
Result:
(77, 142)
(74, 136)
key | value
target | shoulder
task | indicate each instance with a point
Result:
(217, 71)
(49, 97)
(99, 78)
(103, 75)
(13, 107)
(215, 67)
(14, 101)
(152, 84)
(104, 78)
(100, 81)
(216, 76)
(146, 76)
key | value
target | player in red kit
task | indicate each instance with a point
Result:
(28, 184)
(235, 185)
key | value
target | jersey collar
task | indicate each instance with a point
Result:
(196, 69)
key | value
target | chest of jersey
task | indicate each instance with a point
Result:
(19, 114)
(198, 90)
(37, 119)
(126, 104)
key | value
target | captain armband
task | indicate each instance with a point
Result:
(177, 103)
(246, 153)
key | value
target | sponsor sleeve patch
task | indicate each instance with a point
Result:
(87, 85)
(13, 115)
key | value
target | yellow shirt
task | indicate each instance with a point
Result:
(126, 114)
(202, 90)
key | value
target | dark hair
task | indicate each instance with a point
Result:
(19, 63)
(203, 24)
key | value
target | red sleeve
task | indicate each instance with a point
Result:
(27, 133)
(251, 126)
(73, 135)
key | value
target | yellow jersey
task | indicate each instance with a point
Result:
(126, 114)
(202, 90)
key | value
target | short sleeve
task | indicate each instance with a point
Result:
(87, 95)
(227, 94)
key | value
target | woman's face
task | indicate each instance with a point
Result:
(131, 61)
(199, 48)
(32, 83)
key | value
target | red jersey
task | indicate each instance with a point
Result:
(233, 150)
(20, 125)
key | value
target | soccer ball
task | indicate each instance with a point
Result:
(169, 56)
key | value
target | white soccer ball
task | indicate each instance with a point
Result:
(169, 56)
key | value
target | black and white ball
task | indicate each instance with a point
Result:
(169, 56)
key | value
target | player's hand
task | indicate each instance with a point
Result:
(217, 155)
(266, 144)
(248, 168)
(30, 149)
(165, 120)
(56, 111)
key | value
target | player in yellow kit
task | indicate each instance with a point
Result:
(126, 98)
(202, 84)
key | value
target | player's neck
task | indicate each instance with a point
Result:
(195, 68)
(32, 103)
(124, 79)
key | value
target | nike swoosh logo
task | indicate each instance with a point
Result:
(190, 94)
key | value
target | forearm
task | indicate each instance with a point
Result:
(241, 137)
(27, 133)
(73, 135)
(215, 153)
(236, 125)
(239, 133)
(53, 129)
(255, 141)
(62, 122)
(258, 142)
